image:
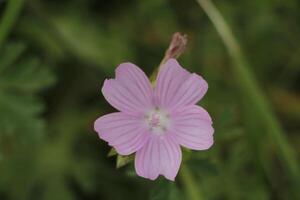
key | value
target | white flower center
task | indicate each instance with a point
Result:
(157, 121)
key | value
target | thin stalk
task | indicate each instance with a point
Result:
(190, 185)
(10, 15)
(249, 86)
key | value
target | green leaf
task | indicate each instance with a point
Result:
(124, 160)
(9, 54)
(165, 190)
(112, 152)
(21, 78)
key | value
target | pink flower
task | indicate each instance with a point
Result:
(155, 122)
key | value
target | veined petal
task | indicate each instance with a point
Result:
(190, 92)
(130, 74)
(176, 87)
(168, 81)
(125, 133)
(192, 127)
(159, 156)
(131, 91)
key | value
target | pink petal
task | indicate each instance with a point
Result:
(131, 91)
(176, 87)
(125, 133)
(159, 156)
(192, 127)
(168, 81)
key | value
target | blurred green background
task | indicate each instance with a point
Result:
(54, 56)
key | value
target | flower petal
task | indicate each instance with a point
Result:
(125, 133)
(159, 156)
(131, 91)
(192, 127)
(168, 81)
(176, 87)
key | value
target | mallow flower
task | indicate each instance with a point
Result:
(155, 121)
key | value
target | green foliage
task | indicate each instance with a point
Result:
(20, 80)
(165, 190)
(22, 128)
(48, 149)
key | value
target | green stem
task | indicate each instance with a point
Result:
(9, 18)
(190, 184)
(249, 87)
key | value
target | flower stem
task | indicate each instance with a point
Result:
(190, 184)
(251, 90)
(9, 18)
